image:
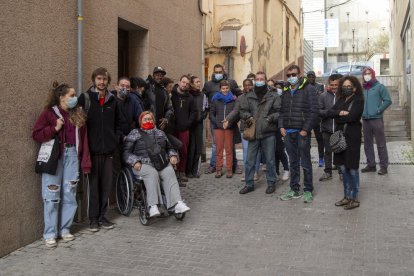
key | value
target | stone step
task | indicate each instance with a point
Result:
(403, 133)
(394, 128)
(394, 139)
(396, 123)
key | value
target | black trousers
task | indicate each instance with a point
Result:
(100, 183)
(319, 140)
(195, 148)
(280, 154)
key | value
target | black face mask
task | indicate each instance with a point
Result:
(347, 92)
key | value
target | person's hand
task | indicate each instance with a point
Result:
(173, 160)
(249, 121)
(163, 123)
(283, 131)
(137, 166)
(303, 133)
(225, 124)
(343, 113)
(59, 123)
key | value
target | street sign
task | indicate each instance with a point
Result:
(331, 32)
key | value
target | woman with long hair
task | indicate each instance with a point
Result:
(347, 113)
(61, 117)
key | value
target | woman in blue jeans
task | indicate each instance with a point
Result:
(347, 113)
(62, 118)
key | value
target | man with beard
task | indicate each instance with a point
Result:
(104, 123)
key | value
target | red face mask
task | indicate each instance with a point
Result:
(147, 125)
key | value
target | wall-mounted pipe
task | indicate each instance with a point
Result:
(80, 47)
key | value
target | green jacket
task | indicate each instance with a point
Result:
(266, 121)
(377, 99)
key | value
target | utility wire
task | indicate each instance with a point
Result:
(328, 8)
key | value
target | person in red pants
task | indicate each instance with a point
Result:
(185, 112)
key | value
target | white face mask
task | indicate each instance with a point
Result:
(367, 78)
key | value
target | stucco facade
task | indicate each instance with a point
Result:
(272, 31)
(39, 45)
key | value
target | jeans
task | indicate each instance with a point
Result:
(351, 182)
(298, 148)
(59, 195)
(267, 146)
(213, 150)
(245, 144)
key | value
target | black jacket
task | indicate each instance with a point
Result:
(199, 104)
(211, 87)
(185, 110)
(154, 93)
(219, 112)
(300, 110)
(104, 123)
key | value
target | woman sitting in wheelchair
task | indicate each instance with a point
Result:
(150, 154)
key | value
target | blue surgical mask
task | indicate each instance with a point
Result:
(218, 76)
(279, 91)
(72, 102)
(293, 80)
(122, 93)
(260, 83)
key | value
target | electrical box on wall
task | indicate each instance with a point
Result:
(228, 38)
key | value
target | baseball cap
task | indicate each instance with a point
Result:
(159, 69)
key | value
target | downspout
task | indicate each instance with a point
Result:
(80, 46)
(202, 77)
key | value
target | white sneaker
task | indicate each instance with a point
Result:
(68, 237)
(256, 177)
(50, 242)
(153, 211)
(286, 175)
(243, 178)
(181, 207)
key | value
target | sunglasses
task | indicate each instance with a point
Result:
(292, 75)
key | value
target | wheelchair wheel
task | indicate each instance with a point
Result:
(142, 204)
(179, 216)
(124, 192)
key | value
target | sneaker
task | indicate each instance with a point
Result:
(256, 177)
(229, 175)
(219, 173)
(243, 178)
(382, 171)
(154, 212)
(68, 237)
(286, 175)
(270, 189)
(51, 242)
(321, 162)
(352, 204)
(246, 190)
(369, 169)
(94, 226)
(307, 197)
(325, 176)
(289, 195)
(106, 224)
(181, 207)
(210, 169)
(342, 202)
(237, 170)
(183, 177)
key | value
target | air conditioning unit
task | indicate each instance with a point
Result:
(228, 38)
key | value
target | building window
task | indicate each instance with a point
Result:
(287, 39)
(342, 58)
(266, 16)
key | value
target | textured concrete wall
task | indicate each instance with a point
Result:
(38, 46)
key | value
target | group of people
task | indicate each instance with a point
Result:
(156, 128)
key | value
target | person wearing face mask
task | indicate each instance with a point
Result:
(104, 123)
(299, 115)
(137, 156)
(209, 89)
(62, 117)
(377, 100)
(326, 100)
(261, 107)
(317, 129)
(185, 114)
(347, 112)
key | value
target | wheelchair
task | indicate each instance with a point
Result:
(131, 193)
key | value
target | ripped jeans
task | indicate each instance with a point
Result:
(59, 195)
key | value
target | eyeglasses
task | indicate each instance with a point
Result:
(292, 75)
(347, 87)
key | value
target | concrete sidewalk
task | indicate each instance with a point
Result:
(255, 234)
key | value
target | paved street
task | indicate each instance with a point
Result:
(255, 234)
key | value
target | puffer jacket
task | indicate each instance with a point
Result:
(135, 149)
(211, 87)
(300, 110)
(219, 112)
(377, 100)
(267, 120)
(326, 101)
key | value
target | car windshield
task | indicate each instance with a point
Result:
(343, 69)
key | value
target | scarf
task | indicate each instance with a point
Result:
(195, 92)
(220, 97)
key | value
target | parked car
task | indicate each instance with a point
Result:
(347, 70)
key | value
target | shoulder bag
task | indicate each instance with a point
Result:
(337, 140)
(156, 154)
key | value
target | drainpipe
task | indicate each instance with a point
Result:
(80, 46)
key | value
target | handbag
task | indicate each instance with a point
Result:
(249, 133)
(337, 140)
(48, 157)
(156, 154)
